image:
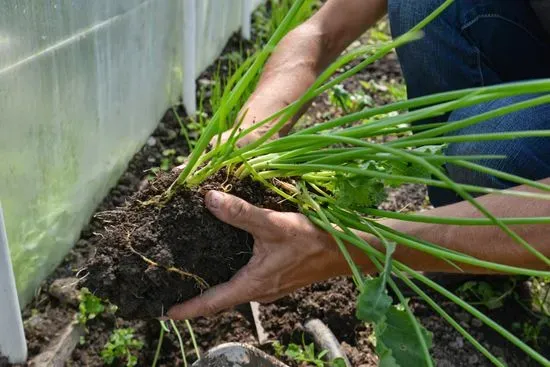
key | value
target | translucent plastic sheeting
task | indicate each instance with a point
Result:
(82, 86)
(216, 20)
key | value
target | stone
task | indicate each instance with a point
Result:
(473, 359)
(64, 289)
(477, 323)
(458, 343)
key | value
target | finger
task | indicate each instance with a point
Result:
(214, 300)
(237, 212)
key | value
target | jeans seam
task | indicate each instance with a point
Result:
(478, 53)
(498, 16)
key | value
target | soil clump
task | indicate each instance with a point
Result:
(151, 256)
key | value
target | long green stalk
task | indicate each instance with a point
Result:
(316, 157)
(317, 89)
(454, 220)
(292, 170)
(237, 92)
(180, 341)
(193, 339)
(441, 253)
(159, 345)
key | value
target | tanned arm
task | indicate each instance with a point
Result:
(304, 53)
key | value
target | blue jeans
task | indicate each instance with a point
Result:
(476, 43)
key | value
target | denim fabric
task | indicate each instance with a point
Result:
(476, 43)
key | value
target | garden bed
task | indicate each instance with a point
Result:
(333, 301)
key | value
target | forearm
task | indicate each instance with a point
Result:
(307, 50)
(486, 242)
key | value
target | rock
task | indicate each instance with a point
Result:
(60, 350)
(206, 82)
(473, 360)
(34, 321)
(464, 316)
(152, 141)
(458, 343)
(477, 323)
(64, 289)
(497, 351)
(171, 135)
(444, 363)
(143, 184)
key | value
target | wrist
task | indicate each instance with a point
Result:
(340, 265)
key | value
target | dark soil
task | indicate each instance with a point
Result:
(333, 302)
(152, 256)
(44, 327)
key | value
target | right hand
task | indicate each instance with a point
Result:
(256, 109)
(289, 252)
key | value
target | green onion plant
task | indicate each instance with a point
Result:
(337, 176)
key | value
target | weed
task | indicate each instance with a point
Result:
(349, 102)
(121, 347)
(393, 91)
(305, 353)
(379, 33)
(487, 294)
(532, 332)
(540, 295)
(91, 306)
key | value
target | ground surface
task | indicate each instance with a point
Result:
(333, 301)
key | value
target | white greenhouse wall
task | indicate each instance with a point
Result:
(82, 86)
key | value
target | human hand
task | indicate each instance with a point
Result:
(289, 253)
(259, 107)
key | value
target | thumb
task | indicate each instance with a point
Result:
(221, 297)
(236, 212)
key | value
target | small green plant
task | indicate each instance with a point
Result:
(121, 347)
(533, 332)
(379, 33)
(165, 329)
(349, 102)
(305, 353)
(540, 295)
(487, 294)
(169, 160)
(89, 307)
(393, 90)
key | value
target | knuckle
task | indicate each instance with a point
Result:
(238, 208)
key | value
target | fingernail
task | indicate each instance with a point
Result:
(214, 199)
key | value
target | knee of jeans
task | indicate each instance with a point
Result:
(468, 176)
(405, 14)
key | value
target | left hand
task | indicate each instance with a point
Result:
(289, 253)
